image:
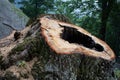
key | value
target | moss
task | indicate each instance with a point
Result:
(24, 75)
(26, 51)
(117, 73)
(43, 57)
(18, 11)
(20, 47)
(10, 76)
(21, 63)
(33, 46)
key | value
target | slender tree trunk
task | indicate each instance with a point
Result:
(107, 6)
(115, 30)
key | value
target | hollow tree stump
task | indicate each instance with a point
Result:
(72, 53)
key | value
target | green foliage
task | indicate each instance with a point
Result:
(91, 24)
(21, 63)
(12, 1)
(82, 13)
(33, 8)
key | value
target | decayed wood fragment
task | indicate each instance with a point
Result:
(66, 38)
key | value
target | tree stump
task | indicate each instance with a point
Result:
(62, 51)
(71, 53)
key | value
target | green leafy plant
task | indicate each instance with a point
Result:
(117, 73)
(21, 63)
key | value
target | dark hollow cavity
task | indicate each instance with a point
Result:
(72, 35)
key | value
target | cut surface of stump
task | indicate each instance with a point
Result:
(65, 38)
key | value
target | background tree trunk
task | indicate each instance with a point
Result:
(107, 6)
(113, 33)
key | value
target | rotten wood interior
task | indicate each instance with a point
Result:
(65, 38)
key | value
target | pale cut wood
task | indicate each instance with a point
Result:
(65, 38)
